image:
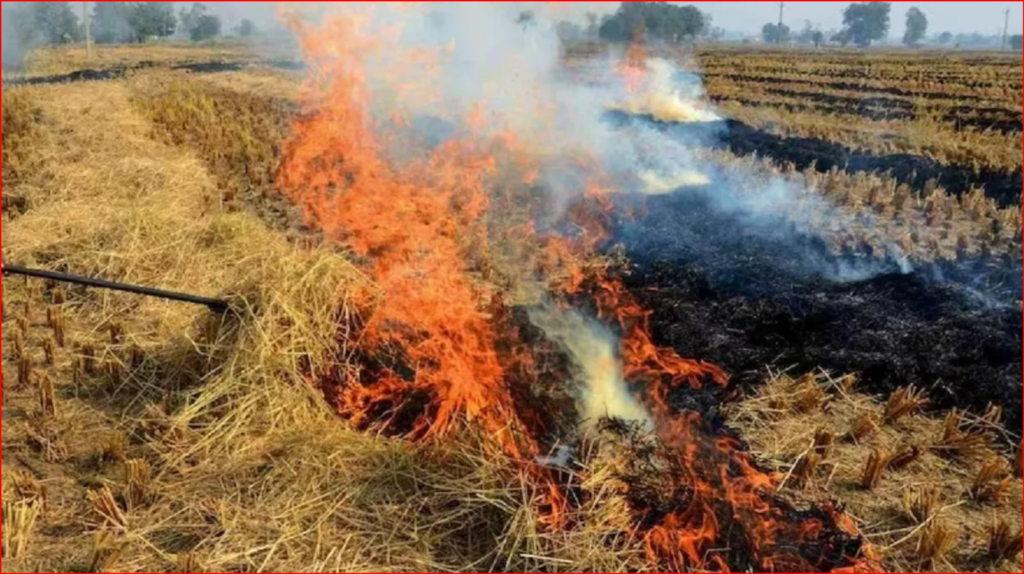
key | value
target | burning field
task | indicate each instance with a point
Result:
(494, 306)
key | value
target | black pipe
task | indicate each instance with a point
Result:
(214, 304)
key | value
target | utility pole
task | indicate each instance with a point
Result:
(778, 36)
(1006, 29)
(88, 32)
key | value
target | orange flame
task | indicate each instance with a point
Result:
(430, 229)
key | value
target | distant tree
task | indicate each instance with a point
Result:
(775, 33)
(1017, 42)
(810, 35)
(110, 23)
(658, 20)
(198, 24)
(687, 22)
(187, 19)
(945, 38)
(867, 22)
(152, 20)
(246, 29)
(917, 27)
(51, 23)
(204, 28)
(842, 37)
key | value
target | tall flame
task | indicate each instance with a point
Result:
(448, 234)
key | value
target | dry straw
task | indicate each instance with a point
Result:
(105, 505)
(114, 372)
(19, 345)
(19, 522)
(77, 375)
(1003, 544)
(115, 449)
(50, 351)
(935, 543)
(107, 548)
(874, 469)
(862, 428)
(88, 353)
(803, 472)
(824, 442)
(138, 481)
(46, 440)
(138, 356)
(902, 403)
(27, 487)
(961, 441)
(55, 318)
(188, 563)
(25, 371)
(921, 505)
(809, 395)
(47, 396)
(991, 485)
(905, 458)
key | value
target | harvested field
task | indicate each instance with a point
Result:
(468, 333)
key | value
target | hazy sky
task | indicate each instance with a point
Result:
(985, 17)
(956, 17)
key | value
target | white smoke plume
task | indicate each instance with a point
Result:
(438, 64)
(603, 393)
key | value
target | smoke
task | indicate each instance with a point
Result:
(603, 392)
(13, 47)
(668, 97)
(438, 71)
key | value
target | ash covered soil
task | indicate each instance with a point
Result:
(747, 296)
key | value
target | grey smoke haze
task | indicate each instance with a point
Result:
(13, 51)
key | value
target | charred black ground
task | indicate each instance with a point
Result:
(723, 290)
(743, 140)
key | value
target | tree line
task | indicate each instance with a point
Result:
(865, 23)
(57, 23)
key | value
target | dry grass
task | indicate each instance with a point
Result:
(237, 133)
(67, 59)
(914, 507)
